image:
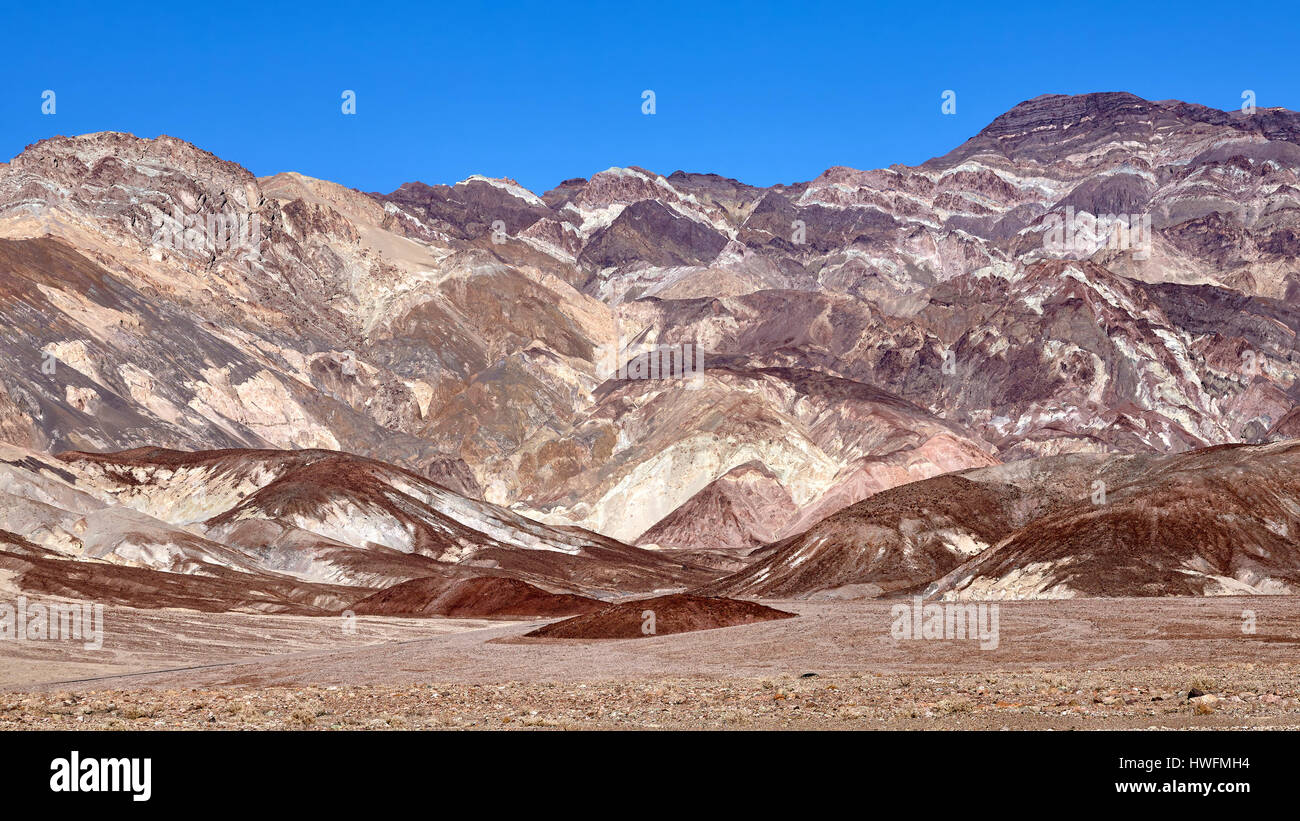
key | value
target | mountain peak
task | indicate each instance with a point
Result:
(1048, 127)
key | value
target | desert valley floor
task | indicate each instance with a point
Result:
(1077, 664)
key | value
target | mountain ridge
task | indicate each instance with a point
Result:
(855, 332)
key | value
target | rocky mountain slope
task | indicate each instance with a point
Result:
(846, 335)
(1215, 521)
(294, 531)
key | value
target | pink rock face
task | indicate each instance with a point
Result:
(743, 509)
(937, 455)
(858, 332)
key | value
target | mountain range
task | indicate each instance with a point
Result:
(1059, 360)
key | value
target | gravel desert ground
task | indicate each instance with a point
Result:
(1075, 664)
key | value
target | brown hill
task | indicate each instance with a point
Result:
(326, 515)
(675, 613)
(306, 531)
(1219, 520)
(478, 597)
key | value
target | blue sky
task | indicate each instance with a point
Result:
(764, 92)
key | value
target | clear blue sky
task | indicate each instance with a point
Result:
(764, 92)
